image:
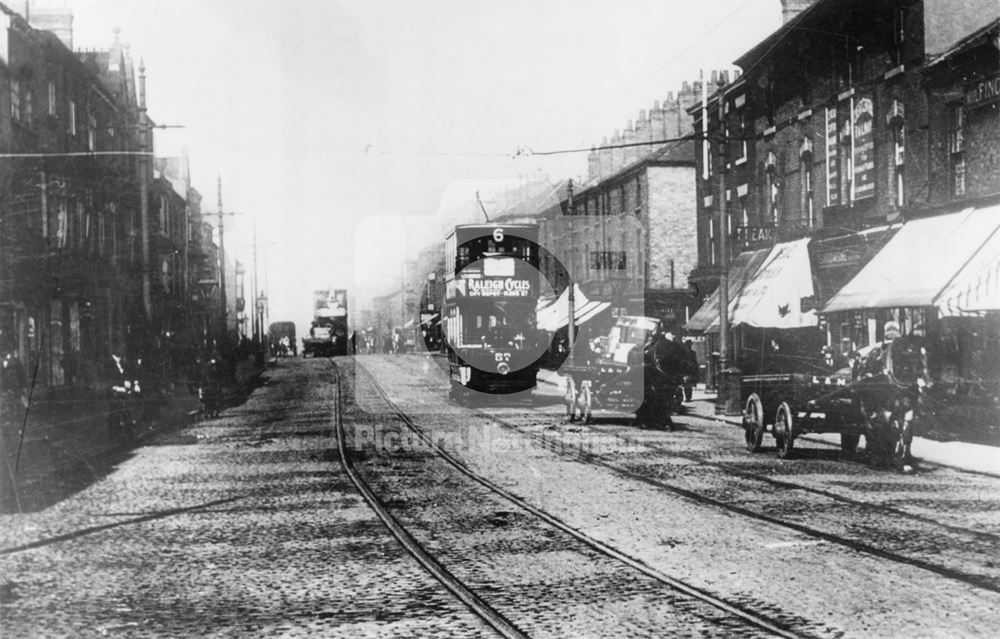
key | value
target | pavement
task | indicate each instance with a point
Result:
(65, 442)
(962, 455)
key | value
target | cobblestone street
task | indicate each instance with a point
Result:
(247, 524)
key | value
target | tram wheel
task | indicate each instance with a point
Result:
(753, 423)
(784, 430)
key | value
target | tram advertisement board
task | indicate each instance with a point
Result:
(497, 277)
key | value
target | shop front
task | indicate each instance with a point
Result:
(938, 278)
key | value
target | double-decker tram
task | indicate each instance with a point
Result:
(491, 290)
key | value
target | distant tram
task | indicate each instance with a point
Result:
(491, 290)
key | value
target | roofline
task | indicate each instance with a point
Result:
(963, 45)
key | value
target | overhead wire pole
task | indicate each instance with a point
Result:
(723, 224)
(224, 320)
(147, 301)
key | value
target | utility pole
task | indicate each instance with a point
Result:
(256, 327)
(723, 222)
(224, 337)
(571, 297)
(144, 149)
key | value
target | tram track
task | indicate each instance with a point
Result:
(733, 469)
(560, 447)
(744, 609)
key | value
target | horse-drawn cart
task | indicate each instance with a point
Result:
(634, 370)
(879, 397)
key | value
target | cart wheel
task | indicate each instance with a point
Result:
(753, 423)
(570, 399)
(585, 401)
(784, 430)
(849, 442)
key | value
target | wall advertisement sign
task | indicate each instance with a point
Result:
(864, 148)
(832, 170)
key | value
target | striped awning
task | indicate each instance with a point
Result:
(976, 288)
(741, 271)
(926, 263)
(556, 314)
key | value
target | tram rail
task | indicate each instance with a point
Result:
(779, 624)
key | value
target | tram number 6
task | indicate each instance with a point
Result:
(501, 357)
(498, 235)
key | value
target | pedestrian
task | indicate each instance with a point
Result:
(692, 373)
(13, 383)
(120, 389)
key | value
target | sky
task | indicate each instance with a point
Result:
(350, 130)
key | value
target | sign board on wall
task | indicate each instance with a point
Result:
(832, 170)
(864, 148)
(982, 93)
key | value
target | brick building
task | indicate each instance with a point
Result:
(75, 255)
(627, 235)
(69, 215)
(850, 121)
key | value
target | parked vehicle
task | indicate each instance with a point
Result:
(880, 397)
(636, 370)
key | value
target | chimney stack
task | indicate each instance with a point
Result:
(792, 8)
(52, 15)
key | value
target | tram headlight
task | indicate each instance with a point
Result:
(503, 368)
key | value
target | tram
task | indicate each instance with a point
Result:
(491, 291)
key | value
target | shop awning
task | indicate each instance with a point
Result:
(772, 298)
(976, 288)
(920, 262)
(744, 266)
(556, 314)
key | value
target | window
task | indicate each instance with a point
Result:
(72, 117)
(52, 98)
(608, 260)
(26, 110)
(15, 100)
(91, 132)
(898, 35)
(164, 214)
(638, 196)
(741, 131)
(711, 241)
(808, 189)
(771, 187)
(899, 146)
(956, 149)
